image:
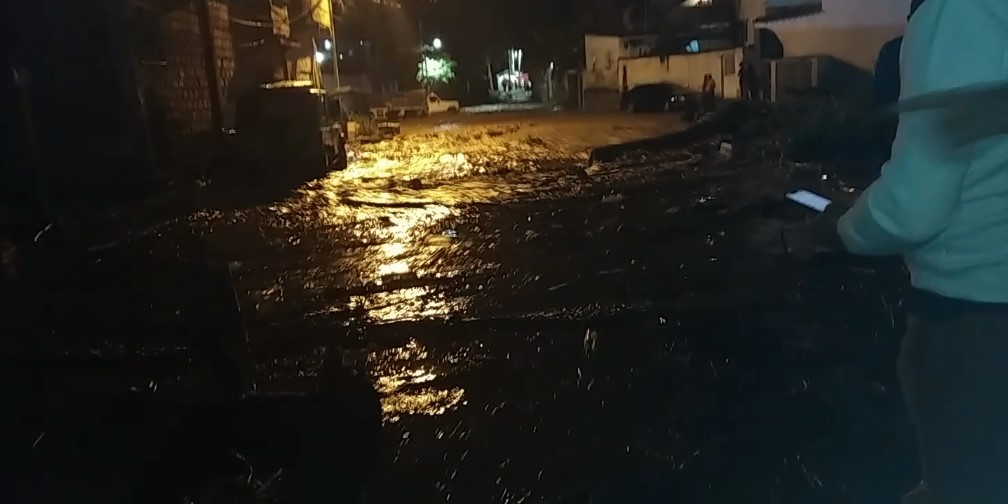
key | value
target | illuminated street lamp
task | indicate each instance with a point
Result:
(327, 44)
(319, 56)
(437, 43)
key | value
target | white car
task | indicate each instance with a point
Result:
(435, 105)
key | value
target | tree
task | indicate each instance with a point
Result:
(435, 67)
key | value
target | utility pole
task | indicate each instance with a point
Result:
(646, 2)
(423, 55)
(335, 48)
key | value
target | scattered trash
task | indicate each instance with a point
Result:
(40, 234)
(726, 150)
(450, 233)
(557, 287)
(590, 340)
(613, 198)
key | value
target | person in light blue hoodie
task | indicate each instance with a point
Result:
(942, 203)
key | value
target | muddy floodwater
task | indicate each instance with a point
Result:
(543, 331)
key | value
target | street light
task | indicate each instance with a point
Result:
(437, 44)
(319, 57)
(327, 44)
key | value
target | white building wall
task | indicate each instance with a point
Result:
(686, 70)
(852, 31)
(602, 54)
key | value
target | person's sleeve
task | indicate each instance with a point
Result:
(919, 191)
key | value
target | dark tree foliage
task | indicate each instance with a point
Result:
(547, 30)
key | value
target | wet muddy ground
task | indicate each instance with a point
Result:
(556, 333)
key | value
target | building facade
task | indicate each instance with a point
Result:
(828, 44)
(851, 31)
(665, 42)
(196, 57)
(118, 95)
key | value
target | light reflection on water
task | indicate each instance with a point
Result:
(407, 382)
(393, 268)
(399, 226)
(410, 303)
(391, 242)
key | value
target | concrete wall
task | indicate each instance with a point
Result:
(855, 45)
(602, 54)
(851, 31)
(751, 9)
(686, 70)
(177, 93)
(182, 80)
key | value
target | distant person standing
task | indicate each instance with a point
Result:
(751, 78)
(743, 82)
(709, 93)
(751, 73)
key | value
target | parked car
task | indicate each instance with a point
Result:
(404, 103)
(662, 97)
(437, 105)
(418, 102)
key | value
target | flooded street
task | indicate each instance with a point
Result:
(543, 331)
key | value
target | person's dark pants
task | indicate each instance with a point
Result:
(709, 102)
(953, 368)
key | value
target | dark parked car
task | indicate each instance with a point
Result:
(656, 98)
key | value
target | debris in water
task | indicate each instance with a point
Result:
(40, 234)
(726, 150)
(593, 169)
(590, 339)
